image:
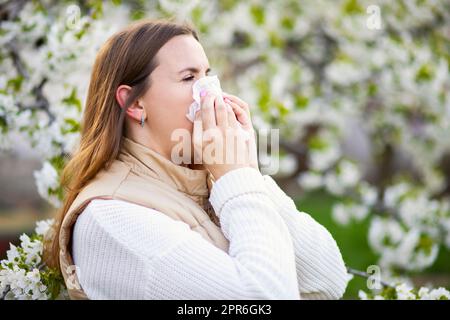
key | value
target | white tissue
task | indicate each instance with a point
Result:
(208, 83)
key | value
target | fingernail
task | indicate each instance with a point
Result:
(227, 100)
(202, 93)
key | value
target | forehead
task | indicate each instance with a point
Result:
(181, 52)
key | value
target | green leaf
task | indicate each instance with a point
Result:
(425, 73)
(282, 109)
(227, 5)
(426, 243)
(57, 162)
(3, 125)
(288, 22)
(372, 89)
(317, 143)
(275, 40)
(258, 14)
(53, 280)
(389, 293)
(301, 101)
(74, 126)
(137, 14)
(352, 7)
(264, 94)
(15, 83)
(28, 28)
(97, 8)
(196, 15)
(72, 99)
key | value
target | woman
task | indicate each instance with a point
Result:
(136, 225)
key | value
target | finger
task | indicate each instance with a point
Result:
(197, 133)
(238, 101)
(208, 112)
(232, 121)
(221, 113)
(240, 113)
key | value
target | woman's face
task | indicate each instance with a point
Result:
(182, 61)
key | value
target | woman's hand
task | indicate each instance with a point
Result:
(242, 111)
(217, 124)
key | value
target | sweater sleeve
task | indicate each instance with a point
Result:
(321, 271)
(126, 251)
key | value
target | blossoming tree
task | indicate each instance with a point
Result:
(359, 89)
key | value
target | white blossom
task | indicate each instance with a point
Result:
(21, 273)
(47, 178)
(349, 174)
(434, 294)
(404, 292)
(43, 226)
(310, 180)
(344, 213)
(369, 194)
(322, 159)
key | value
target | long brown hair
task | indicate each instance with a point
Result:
(127, 57)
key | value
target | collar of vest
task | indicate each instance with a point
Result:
(149, 162)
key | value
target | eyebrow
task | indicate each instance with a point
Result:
(193, 69)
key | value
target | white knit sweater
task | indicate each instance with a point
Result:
(126, 251)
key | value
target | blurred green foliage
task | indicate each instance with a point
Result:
(352, 241)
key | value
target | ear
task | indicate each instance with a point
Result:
(134, 111)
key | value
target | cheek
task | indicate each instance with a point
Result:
(173, 107)
(180, 102)
(184, 103)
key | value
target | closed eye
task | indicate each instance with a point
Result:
(190, 78)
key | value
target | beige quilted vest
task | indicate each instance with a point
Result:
(144, 177)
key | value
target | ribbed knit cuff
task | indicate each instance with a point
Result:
(235, 183)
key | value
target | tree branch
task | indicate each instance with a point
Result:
(41, 102)
(367, 276)
(11, 9)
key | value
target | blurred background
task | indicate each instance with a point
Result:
(360, 91)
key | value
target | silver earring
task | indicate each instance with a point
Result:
(142, 120)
